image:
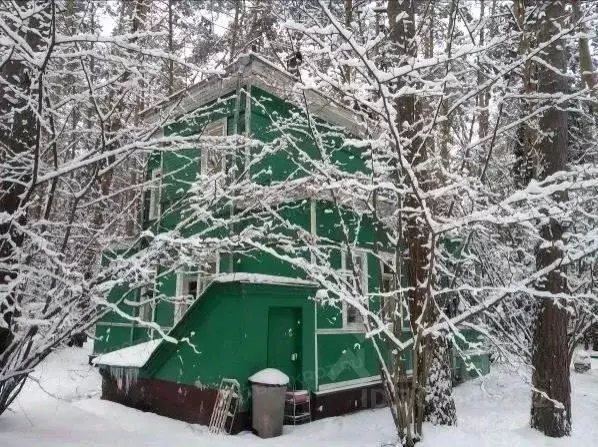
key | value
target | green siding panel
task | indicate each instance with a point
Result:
(228, 329)
(472, 366)
(110, 338)
(164, 309)
(329, 317)
(345, 356)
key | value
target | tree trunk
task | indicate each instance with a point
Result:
(17, 137)
(524, 167)
(484, 96)
(402, 33)
(235, 31)
(170, 49)
(348, 20)
(551, 394)
(440, 405)
(418, 237)
(447, 125)
(586, 65)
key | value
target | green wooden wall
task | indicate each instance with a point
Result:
(228, 329)
(229, 325)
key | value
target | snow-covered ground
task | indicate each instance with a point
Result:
(64, 409)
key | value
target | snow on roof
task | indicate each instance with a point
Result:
(270, 376)
(253, 69)
(258, 278)
(134, 356)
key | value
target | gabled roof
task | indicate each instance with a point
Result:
(253, 69)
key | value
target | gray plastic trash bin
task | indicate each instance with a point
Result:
(268, 388)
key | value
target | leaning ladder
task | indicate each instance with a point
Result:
(225, 408)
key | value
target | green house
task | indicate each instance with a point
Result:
(250, 310)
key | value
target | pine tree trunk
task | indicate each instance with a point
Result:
(585, 55)
(551, 394)
(170, 49)
(235, 32)
(484, 96)
(440, 405)
(446, 140)
(348, 20)
(524, 167)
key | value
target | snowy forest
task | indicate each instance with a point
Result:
(477, 128)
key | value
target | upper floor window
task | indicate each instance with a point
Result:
(354, 266)
(146, 304)
(154, 202)
(191, 283)
(394, 304)
(212, 159)
(387, 285)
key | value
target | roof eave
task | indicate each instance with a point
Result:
(252, 69)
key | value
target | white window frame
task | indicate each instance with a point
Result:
(146, 308)
(155, 194)
(356, 252)
(213, 129)
(387, 259)
(203, 279)
(390, 259)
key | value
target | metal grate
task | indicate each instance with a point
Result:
(297, 407)
(225, 407)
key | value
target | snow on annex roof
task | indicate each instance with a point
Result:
(133, 357)
(259, 278)
(253, 69)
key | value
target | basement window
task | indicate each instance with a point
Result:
(191, 284)
(355, 270)
(154, 202)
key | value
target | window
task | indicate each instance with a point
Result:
(357, 264)
(191, 283)
(146, 304)
(187, 293)
(212, 159)
(154, 202)
(387, 284)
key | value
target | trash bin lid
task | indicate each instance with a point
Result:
(270, 376)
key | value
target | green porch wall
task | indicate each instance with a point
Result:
(110, 338)
(345, 356)
(229, 329)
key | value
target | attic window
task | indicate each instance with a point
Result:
(191, 284)
(212, 159)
